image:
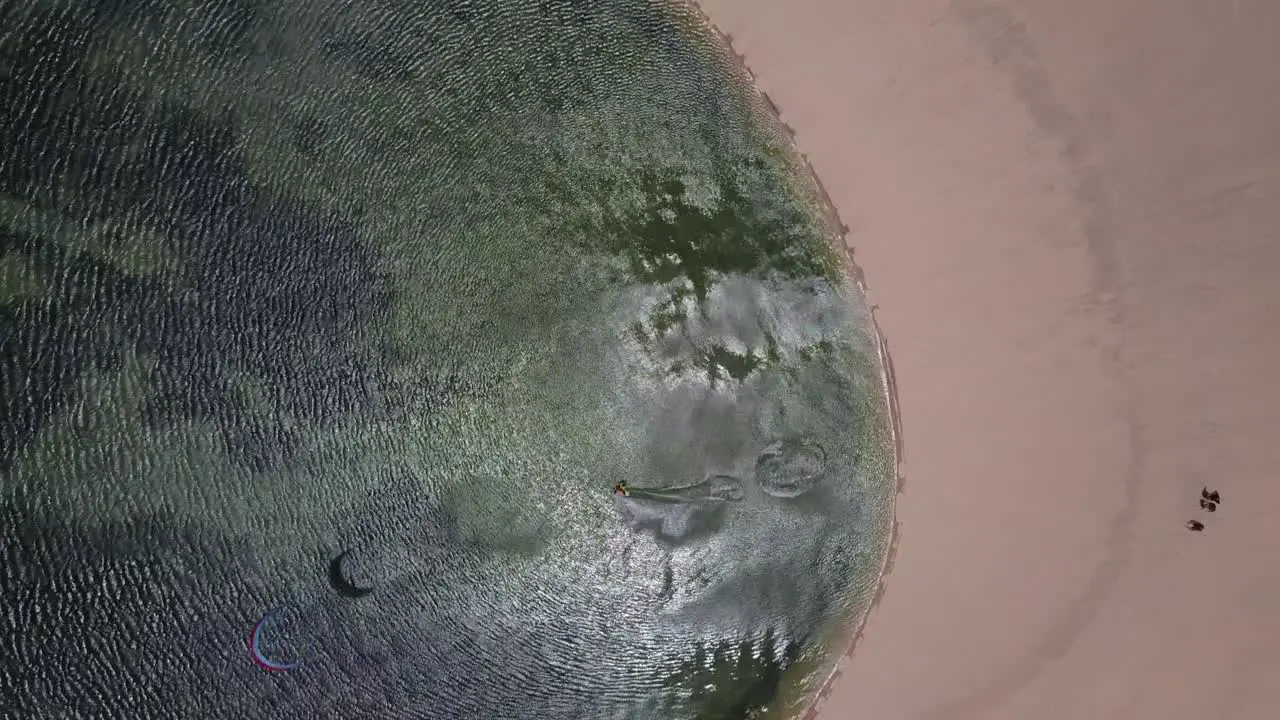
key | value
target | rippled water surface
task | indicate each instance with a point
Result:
(422, 281)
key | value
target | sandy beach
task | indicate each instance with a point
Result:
(1067, 216)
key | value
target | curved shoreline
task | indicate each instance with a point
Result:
(888, 377)
(1071, 227)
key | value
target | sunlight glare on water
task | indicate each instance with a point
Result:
(424, 282)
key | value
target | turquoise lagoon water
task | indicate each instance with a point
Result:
(422, 281)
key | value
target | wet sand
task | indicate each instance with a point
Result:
(1067, 214)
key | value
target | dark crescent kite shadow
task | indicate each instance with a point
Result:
(340, 583)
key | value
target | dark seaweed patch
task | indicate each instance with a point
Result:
(226, 27)
(272, 288)
(379, 61)
(99, 613)
(731, 680)
(306, 135)
(40, 358)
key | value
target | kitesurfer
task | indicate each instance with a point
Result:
(340, 583)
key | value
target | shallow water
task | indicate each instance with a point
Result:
(279, 279)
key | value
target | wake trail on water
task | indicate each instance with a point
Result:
(717, 487)
(681, 514)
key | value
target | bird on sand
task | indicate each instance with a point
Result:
(1206, 505)
(1211, 496)
(1195, 526)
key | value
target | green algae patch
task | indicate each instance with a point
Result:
(669, 237)
(122, 244)
(671, 234)
(20, 280)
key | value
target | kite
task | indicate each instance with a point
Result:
(340, 583)
(255, 647)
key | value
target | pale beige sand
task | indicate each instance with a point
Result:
(1069, 215)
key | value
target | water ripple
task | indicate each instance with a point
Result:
(423, 281)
